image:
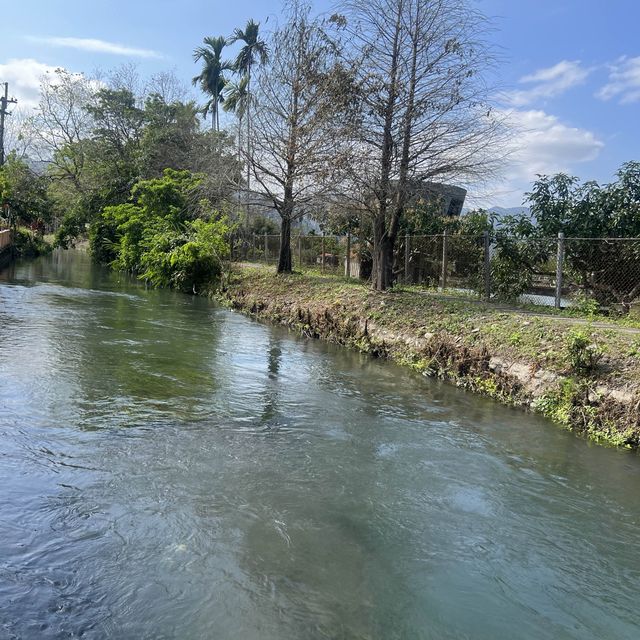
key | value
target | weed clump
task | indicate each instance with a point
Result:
(582, 353)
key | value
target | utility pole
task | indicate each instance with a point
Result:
(4, 103)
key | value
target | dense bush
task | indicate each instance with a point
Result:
(29, 245)
(507, 281)
(167, 235)
(188, 259)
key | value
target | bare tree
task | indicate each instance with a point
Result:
(126, 77)
(424, 100)
(295, 119)
(18, 137)
(61, 122)
(168, 86)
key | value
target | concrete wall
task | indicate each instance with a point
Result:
(5, 239)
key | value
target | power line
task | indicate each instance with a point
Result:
(5, 101)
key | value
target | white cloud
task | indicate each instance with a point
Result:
(541, 144)
(97, 46)
(548, 82)
(624, 81)
(23, 76)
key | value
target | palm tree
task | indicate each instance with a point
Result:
(211, 79)
(254, 51)
(212, 105)
(236, 97)
(236, 100)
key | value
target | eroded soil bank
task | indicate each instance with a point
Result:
(516, 358)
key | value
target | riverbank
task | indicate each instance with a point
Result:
(584, 377)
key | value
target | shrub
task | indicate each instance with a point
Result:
(187, 259)
(585, 305)
(28, 245)
(508, 279)
(166, 235)
(583, 355)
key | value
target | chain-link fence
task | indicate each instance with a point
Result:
(605, 270)
(340, 255)
(561, 272)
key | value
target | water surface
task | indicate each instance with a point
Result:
(170, 469)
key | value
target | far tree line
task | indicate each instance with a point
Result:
(336, 117)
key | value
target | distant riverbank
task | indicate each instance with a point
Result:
(585, 376)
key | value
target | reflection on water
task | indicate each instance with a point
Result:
(172, 470)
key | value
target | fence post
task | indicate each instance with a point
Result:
(559, 266)
(300, 251)
(407, 253)
(347, 267)
(445, 258)
(487, 267)
(266, 249)
(254, 245)
(322, 247)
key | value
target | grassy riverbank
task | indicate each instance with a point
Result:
(585, 376)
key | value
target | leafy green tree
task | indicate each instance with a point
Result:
(561, 203)
(113, 151)
(24, 202)
(117, 121)
(128, 143)
(211, 78)
(169, 137)
(589, 214)
(23, 194)
(97, 166)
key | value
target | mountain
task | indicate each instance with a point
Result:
(510, 211)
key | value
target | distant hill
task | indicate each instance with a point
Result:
(501, 211)
(510, 211)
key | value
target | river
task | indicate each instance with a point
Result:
(171, 469)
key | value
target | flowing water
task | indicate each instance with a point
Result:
(170, 469)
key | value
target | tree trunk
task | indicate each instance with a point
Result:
(382, 243)
(382, 273)
(400, 199)
(248, 114)
(214, 115)
(284, 259)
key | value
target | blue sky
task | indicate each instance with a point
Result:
(570, 74)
